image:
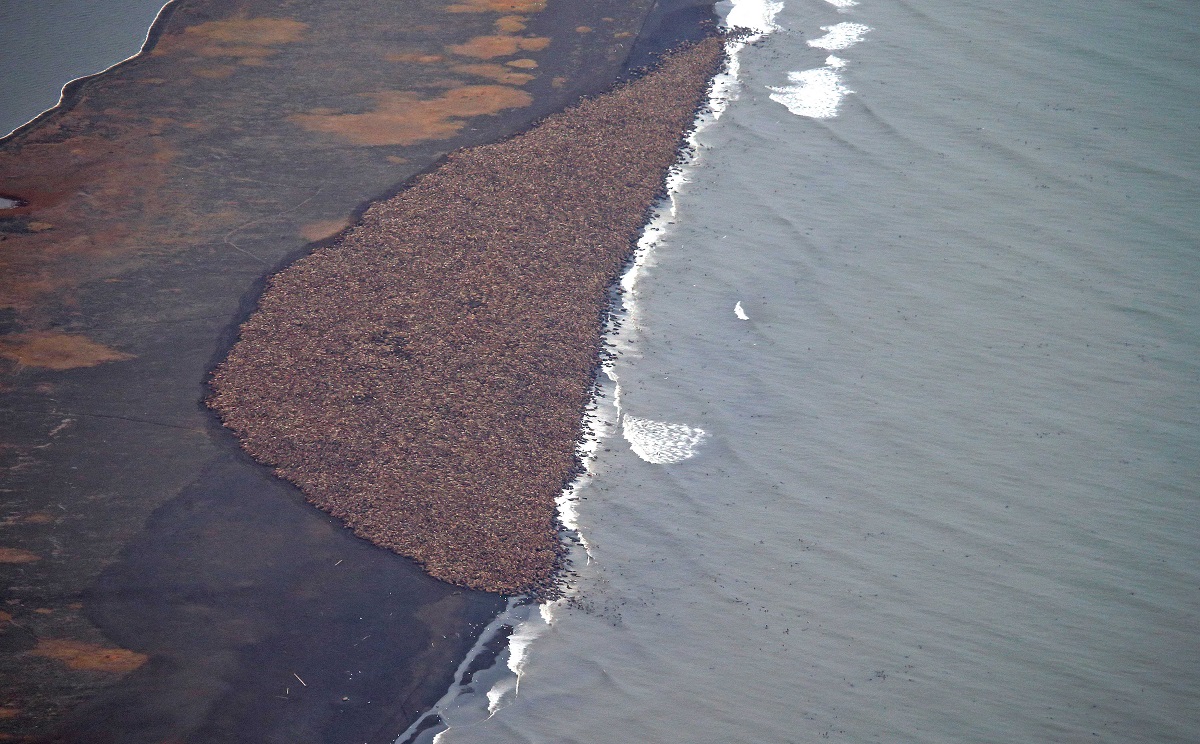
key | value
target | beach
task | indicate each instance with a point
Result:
(159, 583)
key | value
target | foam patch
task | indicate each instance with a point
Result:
(661, 443)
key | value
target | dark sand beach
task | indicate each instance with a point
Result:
(157, 583)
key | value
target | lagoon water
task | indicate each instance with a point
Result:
(46, 45)
(930, 296)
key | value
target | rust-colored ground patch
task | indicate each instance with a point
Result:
(498, 73)
(16, 555)
(249, 40)
(89, 656)
(315, 231)
(57, 351)
(419, 58)
(498, 6)
(404, 118)
(511, 24)
(500, 45)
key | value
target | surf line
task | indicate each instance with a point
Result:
(817, 93)
(749, 21)
(475, 698)
(661, 442)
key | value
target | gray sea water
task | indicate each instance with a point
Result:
(925, 319)
(47, 44)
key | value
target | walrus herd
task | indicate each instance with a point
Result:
(424, 377)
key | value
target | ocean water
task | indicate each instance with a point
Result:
(46, 45)
(902, 440)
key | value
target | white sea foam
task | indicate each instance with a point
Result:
(740, 312)
(836, 63)
(756, 15)
(842, 3)
(814, 93)
(840, 36)
(659, 442)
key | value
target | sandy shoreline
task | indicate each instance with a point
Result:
(146, 561)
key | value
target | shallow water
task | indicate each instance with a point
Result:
(946, 487)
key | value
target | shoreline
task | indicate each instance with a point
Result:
(129, 489)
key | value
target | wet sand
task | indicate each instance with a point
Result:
(424, 378)
(156, 583)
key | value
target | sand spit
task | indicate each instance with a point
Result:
(424, 378)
